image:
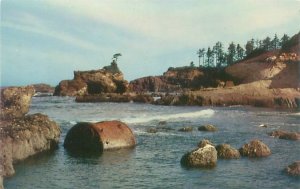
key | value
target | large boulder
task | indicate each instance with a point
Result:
(70, 88)
(285, 135)
(255, 148)
(15, 101)
(294, 169)
(225, 151)
(24, 137)
(205, 157)
(97, 137)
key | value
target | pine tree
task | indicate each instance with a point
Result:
(275, 43)
(283, 40)
(249, 47)
(231, 55)
(209, 57)
(240, 52)
(267, 44)
(201, 53)
(218, 49)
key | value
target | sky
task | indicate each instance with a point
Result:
(44, 41)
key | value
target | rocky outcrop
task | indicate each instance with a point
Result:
(255, 94)
(24, 137)
(285, 135)
(43, 88)
(181, 79)
(225, 151)
(116, 97)
(255, 148)
(210, 128)
(97, 137)
(93, 82)
(293, 169)
(205, 156)
(15, 101)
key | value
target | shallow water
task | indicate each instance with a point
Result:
(155, 162)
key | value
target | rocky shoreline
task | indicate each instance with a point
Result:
(21, 135)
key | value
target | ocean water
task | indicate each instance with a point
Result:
(155, 161)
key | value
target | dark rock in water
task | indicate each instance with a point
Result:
(24, 137)
(107, 97)
(142, 98)
(207, 128)
(294, 169)
(97, 137)
(186, 129)
(285, 135)
(205, 157)
(15, 101)
(255, 148)
(162, 123)
(152, 130)
(225, 151)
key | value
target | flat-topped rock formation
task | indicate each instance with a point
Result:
(106, 80)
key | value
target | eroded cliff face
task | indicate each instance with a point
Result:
(282, 67)
(181, 79)
(92, 82)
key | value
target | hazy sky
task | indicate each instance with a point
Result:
(46, 40)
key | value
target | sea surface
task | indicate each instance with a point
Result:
(155, 161)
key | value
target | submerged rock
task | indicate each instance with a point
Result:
(255, 148)
(294, 169)
(225, 151)
(15, 101)
(24, 137)
(97, 137)
(285, 135)
(152, 130)
(207, 128)
(186, 129)
(205, 157)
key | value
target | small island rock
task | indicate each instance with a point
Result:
(255, 148)
(225, 151)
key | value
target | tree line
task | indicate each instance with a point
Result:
(217, 56)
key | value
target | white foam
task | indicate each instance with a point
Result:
(166, 117)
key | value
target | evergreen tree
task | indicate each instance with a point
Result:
(249, 46)
(275, 43)
(218, 50)
(267, 44)
(283, 40)
(209, 57)
(240, 52)
(231, 55)
(201, 53)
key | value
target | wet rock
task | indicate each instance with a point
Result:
(162, 123)
(285, 135)
(186, 129)
(143, 98)
(152, 130)
(210, 128)
(97, 137)
(294, 169)
(225, 151)
(24, 137)
(255, 148)
(15, 101)
(107, 97)
(70, 88)
(205, 157)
